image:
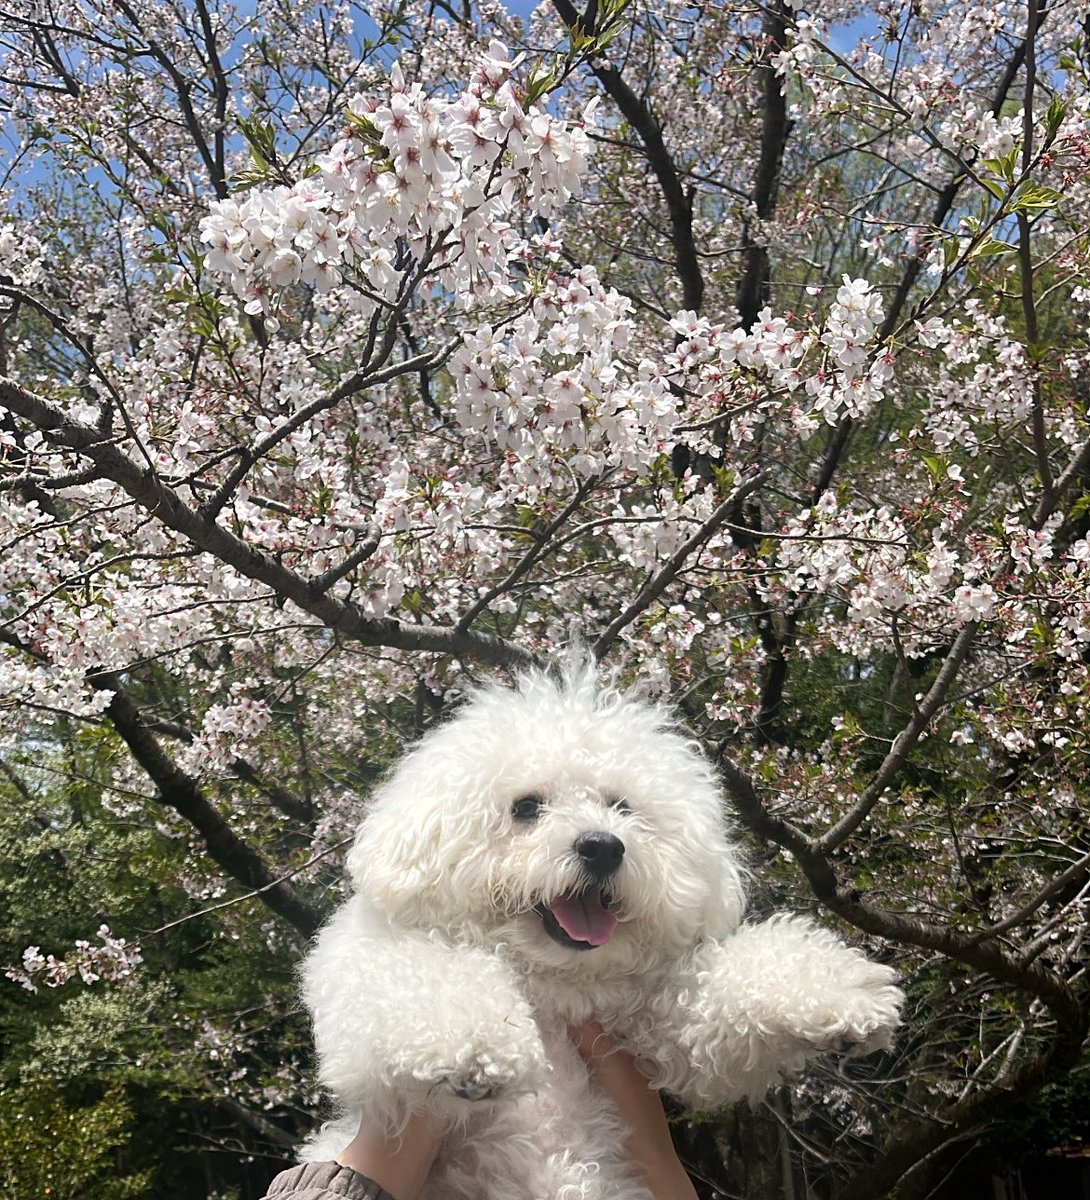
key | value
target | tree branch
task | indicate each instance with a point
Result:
(184, 89)
(662, 579)
(752, 292)
(943, 206)
(182, 793)
(1025, 264)
(904, 742)
(638, 114)
(539, 548)
(965, 947)
(258, 1122)
(913, 1140)
(280, 797)
(220, 87)
(359, 554)
(1078, 870)
(165, 505)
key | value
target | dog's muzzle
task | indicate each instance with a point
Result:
(582, 920)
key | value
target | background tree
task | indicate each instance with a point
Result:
(348, 354)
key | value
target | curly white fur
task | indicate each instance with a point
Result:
(444, 984)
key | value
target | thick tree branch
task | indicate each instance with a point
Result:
(753, 287)
(184, 89)
(167, 507)
(638, 114)
(182, 793)
(963, 946)
(220, 87)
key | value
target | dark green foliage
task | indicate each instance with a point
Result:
(187, 1081)
(57, 1145)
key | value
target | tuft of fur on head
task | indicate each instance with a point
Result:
(472, 838)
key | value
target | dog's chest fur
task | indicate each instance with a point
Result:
(564, 1141)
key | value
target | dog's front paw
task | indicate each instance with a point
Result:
(477, 1073)
(874, 1016)
(859, 1015)
(475, 1081)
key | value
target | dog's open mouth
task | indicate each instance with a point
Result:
(579, 920)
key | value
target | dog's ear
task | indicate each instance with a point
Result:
(418, 856)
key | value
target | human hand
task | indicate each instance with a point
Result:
(400, 1163)
(615, 1072)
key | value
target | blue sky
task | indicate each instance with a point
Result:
(842, 37)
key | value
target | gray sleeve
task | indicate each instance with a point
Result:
(324, 1181)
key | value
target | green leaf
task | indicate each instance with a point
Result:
(990, 246)
(1080, 508)
(1054, 116)
(580, 40)
(951, 248)
(539, 85)
(262, 140)
(1004, 166)
(248, 179)
(371, 136)
(364, 128)
(1033, 197)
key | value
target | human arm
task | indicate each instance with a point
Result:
(375, 1165)
(640, 1108)
(400, 1163)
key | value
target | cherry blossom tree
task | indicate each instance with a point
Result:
(349, 353)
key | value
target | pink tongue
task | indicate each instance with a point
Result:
(584, 919)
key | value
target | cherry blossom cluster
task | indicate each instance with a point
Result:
(114, 961)
(421, 182)
(832, 362)
(888, 567)
(553, 381)
(973, 394)
(21, 255)
(869, 559)
(936, 108)
(228, 730)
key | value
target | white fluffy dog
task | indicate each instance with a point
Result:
(556, 853)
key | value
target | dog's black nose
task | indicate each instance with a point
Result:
(601, 852)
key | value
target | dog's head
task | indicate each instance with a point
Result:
(568, 821)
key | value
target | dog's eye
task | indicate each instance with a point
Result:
(528, 807)
(619, 803)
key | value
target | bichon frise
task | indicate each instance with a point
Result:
(555, 853)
